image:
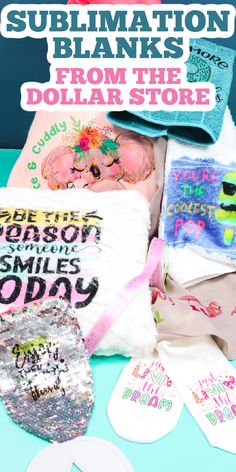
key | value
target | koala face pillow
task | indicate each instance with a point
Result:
(84, 150)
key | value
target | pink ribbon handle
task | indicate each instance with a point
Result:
(157, 279)
(111, 313)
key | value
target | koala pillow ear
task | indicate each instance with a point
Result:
(136, 156)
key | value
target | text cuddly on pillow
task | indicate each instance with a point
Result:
(83, 246)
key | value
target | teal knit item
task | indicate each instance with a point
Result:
(208, 62)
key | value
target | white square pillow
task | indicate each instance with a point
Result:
(82, 245)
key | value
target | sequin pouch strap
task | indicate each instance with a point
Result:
(157, 279)
(119, 303)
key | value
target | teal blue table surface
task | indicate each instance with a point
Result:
(185, 449)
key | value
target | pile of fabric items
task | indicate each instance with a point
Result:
(184, 166)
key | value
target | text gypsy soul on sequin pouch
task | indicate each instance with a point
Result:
(45, 376)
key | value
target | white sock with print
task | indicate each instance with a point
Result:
(144, 405)
(206, 382)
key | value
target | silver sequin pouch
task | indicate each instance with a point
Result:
(45, 377)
